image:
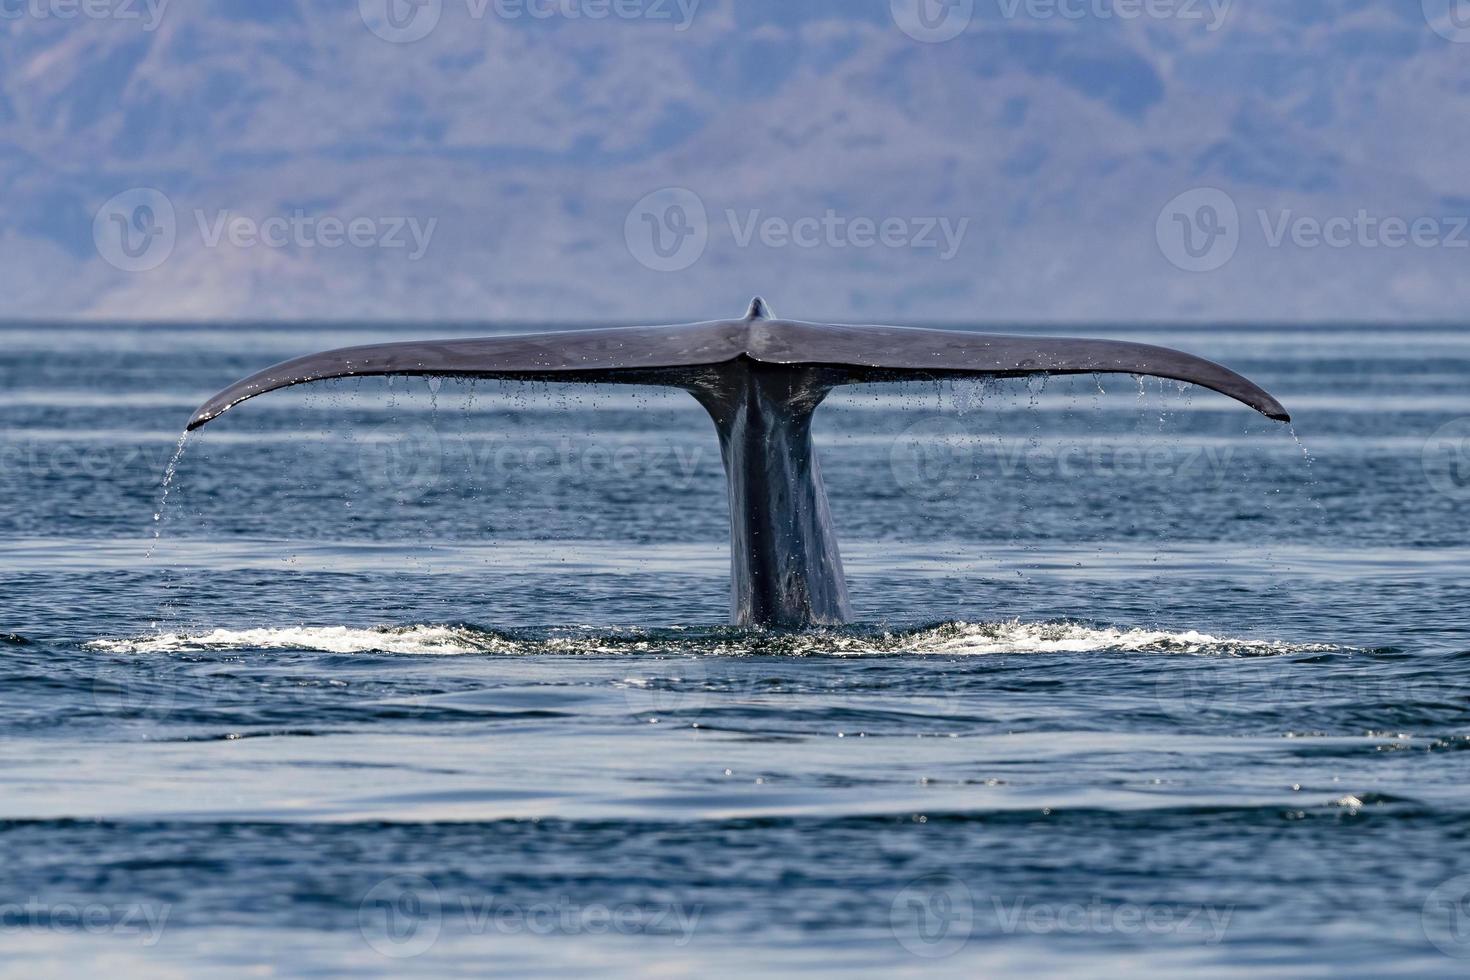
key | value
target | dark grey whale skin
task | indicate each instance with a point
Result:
(760, 379)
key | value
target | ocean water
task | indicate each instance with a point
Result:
(432, 677)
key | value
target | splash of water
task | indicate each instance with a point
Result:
(1307, 456)
(950, 639)
(168, 480)
(1313, 486)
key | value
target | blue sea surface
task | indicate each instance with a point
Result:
(432, 676)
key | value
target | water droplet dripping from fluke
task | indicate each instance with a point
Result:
(168, 479)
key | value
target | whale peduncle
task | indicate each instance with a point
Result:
(785, 566)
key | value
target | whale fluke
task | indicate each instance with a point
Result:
(760, 379)
(661, 355)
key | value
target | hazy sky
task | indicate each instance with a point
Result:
(645, 160)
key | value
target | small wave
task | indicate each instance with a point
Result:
(413, 640)
(949, 639)
(1070, 637)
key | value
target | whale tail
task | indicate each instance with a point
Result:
(760, 379)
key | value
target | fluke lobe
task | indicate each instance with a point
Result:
(760, 379)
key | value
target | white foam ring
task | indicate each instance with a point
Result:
(950, 639)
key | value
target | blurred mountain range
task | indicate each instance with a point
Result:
(1109, 160)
